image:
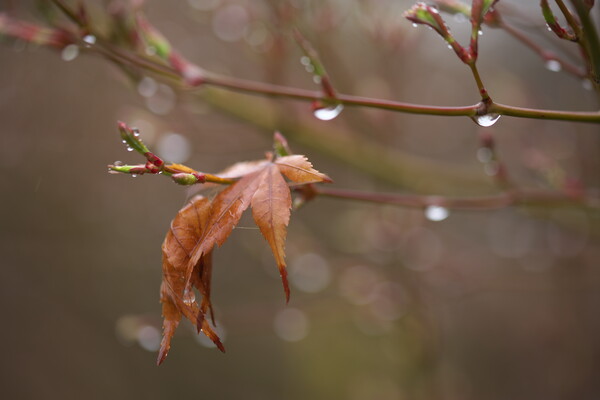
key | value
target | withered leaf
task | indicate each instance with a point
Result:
(225, 212)
(298, 169)
(271, 206)
(177, 295)
(265, 189)
(203, 224)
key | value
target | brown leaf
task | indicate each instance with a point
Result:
(177, 295)
(225, 213)
(298, 169)
(271, 206)
(240, 169)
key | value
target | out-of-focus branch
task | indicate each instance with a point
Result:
(515, 197)
(589, 39)
(546, 55)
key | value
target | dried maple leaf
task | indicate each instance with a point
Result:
(264, 188)
(271, 204)
(177, 289)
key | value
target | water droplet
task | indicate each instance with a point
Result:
(89, 39)
(317, 79)
(450, 47)
(124, 141)
(70, 52)
(129, 148)
(310, 68)
(553, 65)
(480, 32)
(118, 163)
(436, 213)
(189, 297)
(329, 112)
(549, 29)
(414, 25)
(134, 175)
(304, 60)
(486, 120)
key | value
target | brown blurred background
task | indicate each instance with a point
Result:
(386, 303)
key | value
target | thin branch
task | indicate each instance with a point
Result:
(348, 100)
(502, 200)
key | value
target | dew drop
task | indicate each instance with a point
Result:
(480, 32)
(124, 141)
(133, 175)
(587, 84)
(309, 68)
(118, 163)
(304, 60)
(486, 120)
(89, 39)
(129, 148)
(189, 297)
(317, 79)
(553, 65)
(329, 112)
(70, 52)
(414, 25)
(450, 47)
(436, 213)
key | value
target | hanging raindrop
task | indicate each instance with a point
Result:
(553, 65)
(89, 40)
(486, 120)
(327, 113)
(436, 213)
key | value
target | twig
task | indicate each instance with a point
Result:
(515, 197)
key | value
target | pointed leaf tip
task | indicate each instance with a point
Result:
(284, 281)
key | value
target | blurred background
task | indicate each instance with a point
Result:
(387, 302)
